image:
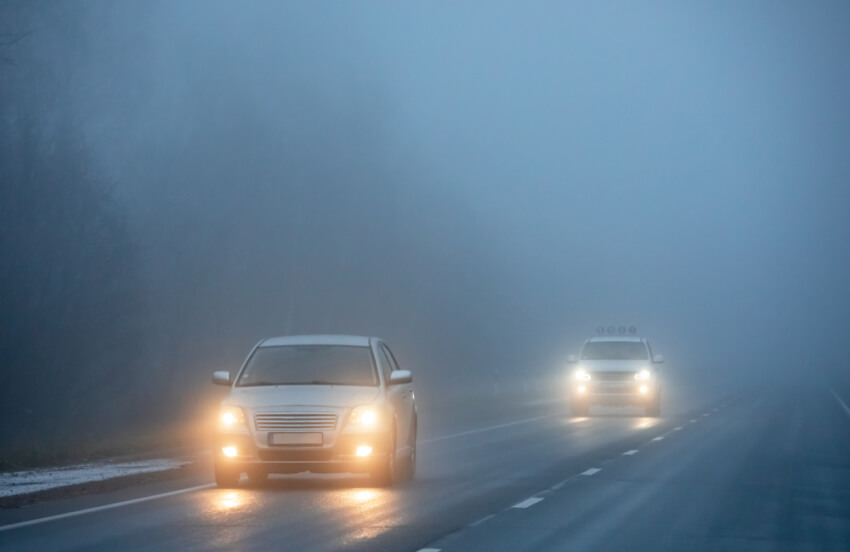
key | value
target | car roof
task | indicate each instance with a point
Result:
(629, 338)
(344, 340)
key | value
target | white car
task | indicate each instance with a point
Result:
(615, 371)
(321, 403)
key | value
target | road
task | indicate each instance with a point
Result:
(747, 471)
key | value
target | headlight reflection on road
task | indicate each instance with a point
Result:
(229, 500)
(644, 423)
(364, 495)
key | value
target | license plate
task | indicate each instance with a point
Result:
(295, 439)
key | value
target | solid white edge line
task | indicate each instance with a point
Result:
(527, 502)
(101, 508)
(490, 428)
(630, 452)
(591, 471)
(843, 405)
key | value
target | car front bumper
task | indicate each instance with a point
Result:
(340, 457)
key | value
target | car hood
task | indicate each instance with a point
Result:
(332, 396)
(615, 365)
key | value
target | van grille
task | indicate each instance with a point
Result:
(295, 422)
(613, 376)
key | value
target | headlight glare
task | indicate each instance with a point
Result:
(582, 375)
(363, 417)
(231, 416)
(643, 375)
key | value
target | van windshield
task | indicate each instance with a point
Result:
(614, 350)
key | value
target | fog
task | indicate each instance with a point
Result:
(482, 184)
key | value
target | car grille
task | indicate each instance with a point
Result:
(613, 376)
(295, 422)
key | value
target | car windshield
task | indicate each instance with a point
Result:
(309, 365)
(614, 350)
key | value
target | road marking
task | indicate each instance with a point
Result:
(677, 428)
(693, 421)
(558, 486)
(629, 452)
(104, 507)
(837, 398)
(429, 550)
(659, 438)
(527, 502)
(480, 521)
(591, 471)
(490, 428)
(706, 414)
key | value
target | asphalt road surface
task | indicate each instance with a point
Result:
(759, 470)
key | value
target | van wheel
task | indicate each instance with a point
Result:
(654, 409)
(580, 409)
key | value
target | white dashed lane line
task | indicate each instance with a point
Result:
(840, 402)
(527, 502)
(482, 520)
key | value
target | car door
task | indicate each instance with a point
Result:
(400, 397)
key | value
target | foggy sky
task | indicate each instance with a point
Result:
(680, 167)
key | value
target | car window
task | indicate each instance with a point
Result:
(386, 364)
(392, 358)
(309, 365)
(614, 350)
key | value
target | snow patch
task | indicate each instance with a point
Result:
(31, 481)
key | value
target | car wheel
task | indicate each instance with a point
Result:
(384, 473)
(225, 476)
(256, 478)
(410, 462)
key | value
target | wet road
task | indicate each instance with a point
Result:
(769, 471)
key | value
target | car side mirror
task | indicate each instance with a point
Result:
(221, 378)
(572, 359)
(401, 376)
(658, 359)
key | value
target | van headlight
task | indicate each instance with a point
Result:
(643, 375)
(582, 375)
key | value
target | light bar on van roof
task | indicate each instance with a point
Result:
(611, 330)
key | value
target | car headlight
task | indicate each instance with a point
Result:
(231, 417)
(582, 375)
(364, 417)
(643, 375)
